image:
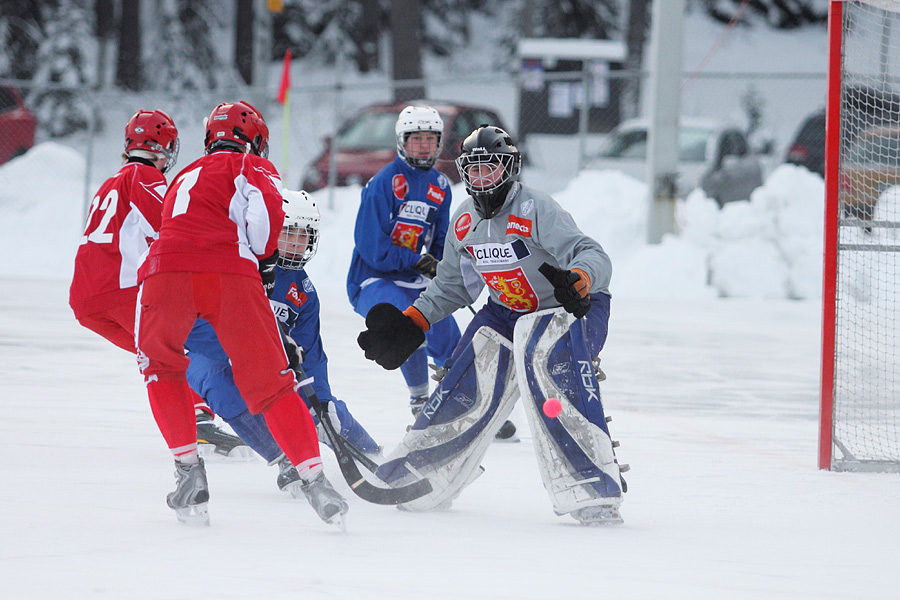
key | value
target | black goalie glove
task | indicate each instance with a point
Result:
(391, 337)
(267, 272)
(427, 266)
(569, 288)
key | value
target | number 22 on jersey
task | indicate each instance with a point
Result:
(107, 207)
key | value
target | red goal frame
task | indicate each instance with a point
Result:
(829, 283)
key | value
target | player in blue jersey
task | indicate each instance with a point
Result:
(400, 229)
(296, 304)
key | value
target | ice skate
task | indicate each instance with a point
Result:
(191, 496)
(328, 504)
(288, 478)
(211, 439)
(507, 433)
(605, 514)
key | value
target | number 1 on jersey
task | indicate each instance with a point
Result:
(183, 196)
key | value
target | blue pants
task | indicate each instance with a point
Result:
(440, 340)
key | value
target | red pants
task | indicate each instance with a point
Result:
(115, 324)
(237, 308)
(239, 311)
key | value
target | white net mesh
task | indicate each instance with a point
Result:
(866, 417)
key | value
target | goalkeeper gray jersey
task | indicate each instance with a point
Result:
(505, 252)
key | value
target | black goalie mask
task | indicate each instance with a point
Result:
(488, 165)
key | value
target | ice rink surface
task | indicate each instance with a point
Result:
(714, 402)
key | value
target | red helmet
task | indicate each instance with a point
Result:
(237, 126)
(152, 131)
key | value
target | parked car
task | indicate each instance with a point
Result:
(366, 142)
(17, 124)
(808, 147)
(872, 164)
(863, 107)
(712, 156)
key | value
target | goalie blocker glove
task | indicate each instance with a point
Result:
(570, 288)
(391, 335)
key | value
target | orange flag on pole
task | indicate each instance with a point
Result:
(285, 77)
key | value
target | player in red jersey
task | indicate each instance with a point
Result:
(221, 220)
(123, 219)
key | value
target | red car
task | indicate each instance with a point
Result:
(17, 124)
(366, 142)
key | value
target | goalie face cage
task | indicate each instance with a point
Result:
(860, 402)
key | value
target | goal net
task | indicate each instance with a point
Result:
(860, 399)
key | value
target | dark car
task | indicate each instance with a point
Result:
(808, 147)
(366, 142)
(17, 124)
(862, 108)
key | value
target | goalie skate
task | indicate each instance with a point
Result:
(190, 500)
(598, 515)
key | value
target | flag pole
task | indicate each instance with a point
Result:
(286, 124)
(284, 97)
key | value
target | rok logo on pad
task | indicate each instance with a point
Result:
(406, 235)
(487, 255)
(514, 289)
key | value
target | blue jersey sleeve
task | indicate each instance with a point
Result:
(296, 305)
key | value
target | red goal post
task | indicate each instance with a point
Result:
(859, 422)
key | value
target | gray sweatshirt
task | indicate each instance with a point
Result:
(505, 252)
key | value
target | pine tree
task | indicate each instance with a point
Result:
(184, 59)
(781, 14)
(59, 98)
(21, 26)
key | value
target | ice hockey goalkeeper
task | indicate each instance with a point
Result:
(536, 338)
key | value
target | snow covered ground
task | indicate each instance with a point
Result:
(714, 402)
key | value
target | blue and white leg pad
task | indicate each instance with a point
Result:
(574, 450)
(457, 425)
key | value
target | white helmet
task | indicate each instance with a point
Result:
(299, 238)
(418, 118)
